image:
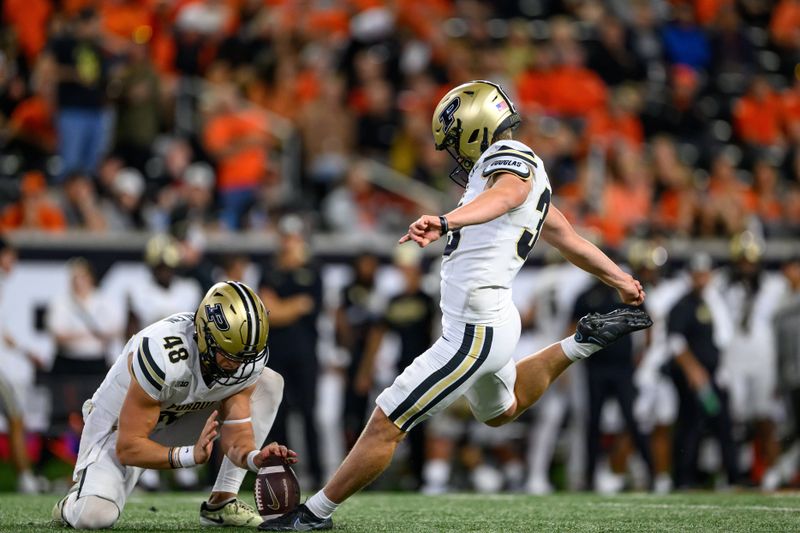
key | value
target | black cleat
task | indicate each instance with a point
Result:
(301, 519)
(604, 330)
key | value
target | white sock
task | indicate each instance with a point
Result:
(575, 350)
(320, 505)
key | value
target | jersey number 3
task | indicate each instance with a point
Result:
(452, 242)
(179, 353)
(527, 240)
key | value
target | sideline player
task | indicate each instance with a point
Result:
(165, 392)
(505, 207)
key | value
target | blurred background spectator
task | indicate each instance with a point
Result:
(292, 291)
(697, 330)
(11, 399)
(84, 324)
(608, 377)
(357, 315)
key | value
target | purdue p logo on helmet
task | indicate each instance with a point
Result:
(469, 117)
(231, 321)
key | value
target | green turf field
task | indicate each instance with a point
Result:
(377, 512)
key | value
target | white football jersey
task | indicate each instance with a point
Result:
(166, 362)
(481, 261)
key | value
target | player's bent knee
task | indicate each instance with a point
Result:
(508, 416)
(95, 513)
(380, 427)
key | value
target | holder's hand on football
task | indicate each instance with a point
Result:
(423, 231)
(274, 449)
(202, 448)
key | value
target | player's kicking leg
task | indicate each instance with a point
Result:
(375, 447)
(536, 372)
(369, 457)
(223, 507)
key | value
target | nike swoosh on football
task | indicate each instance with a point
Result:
(215, 520)
(275, 505)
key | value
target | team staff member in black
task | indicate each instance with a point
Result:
(411, 316)
(610, 375)
(291, 289)
(694, 334)
(356, 316)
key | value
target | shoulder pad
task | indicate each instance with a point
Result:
(507, 159)
(149, 370)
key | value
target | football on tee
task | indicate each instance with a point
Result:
(277, 490)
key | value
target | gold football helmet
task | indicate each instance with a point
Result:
(231, 321)
(746, 247)
(162, 249)
(467, 120)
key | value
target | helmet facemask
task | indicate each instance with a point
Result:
(248, 361)
(460, 174)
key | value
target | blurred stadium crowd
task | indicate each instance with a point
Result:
(679, 117)
(654, 118)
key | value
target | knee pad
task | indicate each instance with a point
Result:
(92, 512)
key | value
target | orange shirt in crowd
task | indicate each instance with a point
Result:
(668, 209)
(46, 217)
(785, 22)
(33, 118)
(758, 122)
(790, 107)
(605, 128)
(125, 18)
(34, 210)
(533, 90)
(623, 208)
(423, 16)
(72, 7)
(29, 19)
(706, 10)
(238, 140)
(736, 192)
(575, 91)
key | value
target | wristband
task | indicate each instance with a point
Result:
(171, 457)
(181, 456)
(251, 464)
(445, 227)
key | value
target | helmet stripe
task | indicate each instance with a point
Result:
(248, 309)
(251, 298)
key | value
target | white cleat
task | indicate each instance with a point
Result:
(233, 513)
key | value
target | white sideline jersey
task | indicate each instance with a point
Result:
(166, 362)
(481, 261)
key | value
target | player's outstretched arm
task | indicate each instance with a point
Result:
(506, 192)
(237, 439)
(138, 418)
(558, 232)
